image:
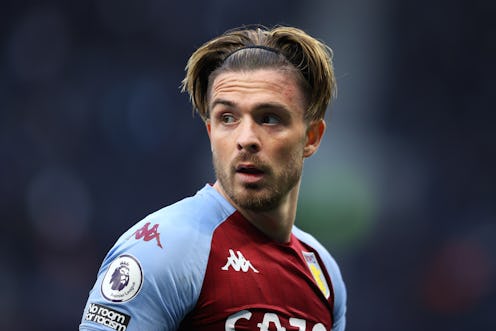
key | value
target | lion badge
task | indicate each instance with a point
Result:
(123, 279)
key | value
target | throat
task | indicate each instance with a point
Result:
(275, 222)
(272, 226)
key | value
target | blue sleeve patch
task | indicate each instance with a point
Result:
(106, 316)
(123, 279)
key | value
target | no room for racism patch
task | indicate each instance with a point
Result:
(107, 316)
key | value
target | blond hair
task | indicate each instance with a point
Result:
(253, 48)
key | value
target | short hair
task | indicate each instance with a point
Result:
(251, 48)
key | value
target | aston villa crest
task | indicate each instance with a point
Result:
(317, 273)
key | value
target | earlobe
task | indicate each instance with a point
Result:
(315, 132)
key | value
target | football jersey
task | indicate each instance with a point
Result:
(200, 265)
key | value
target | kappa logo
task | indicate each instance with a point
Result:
(238, 262)
(148, 234)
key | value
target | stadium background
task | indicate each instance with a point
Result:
(94, 135)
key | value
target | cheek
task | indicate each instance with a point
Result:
(218, 146)
(288, 154)
(291, 148)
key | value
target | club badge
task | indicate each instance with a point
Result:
(317, 273)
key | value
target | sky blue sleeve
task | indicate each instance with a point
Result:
(340, 295)
(153, 275)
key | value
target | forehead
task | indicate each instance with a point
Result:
(260, 84)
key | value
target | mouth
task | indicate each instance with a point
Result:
(249, 169)
(249, 173)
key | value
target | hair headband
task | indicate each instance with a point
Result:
(267, 48)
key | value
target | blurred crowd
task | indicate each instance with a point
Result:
(95, 134)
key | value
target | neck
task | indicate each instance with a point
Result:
(276, 223)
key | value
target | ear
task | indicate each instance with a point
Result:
(315, 132)
(208, 126)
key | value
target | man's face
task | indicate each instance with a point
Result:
(258, 136)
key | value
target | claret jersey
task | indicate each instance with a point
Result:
(200, 265)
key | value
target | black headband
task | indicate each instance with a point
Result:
(267, 48)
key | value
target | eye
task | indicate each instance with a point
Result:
(270, 119)
(227, 118)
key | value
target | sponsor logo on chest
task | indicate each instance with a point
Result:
(270, 321)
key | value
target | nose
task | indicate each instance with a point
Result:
(248, 138)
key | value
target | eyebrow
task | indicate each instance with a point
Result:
(265, 105)
(222, 102)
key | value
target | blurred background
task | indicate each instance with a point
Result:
(95, 135)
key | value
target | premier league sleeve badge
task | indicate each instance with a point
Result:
(123, 279)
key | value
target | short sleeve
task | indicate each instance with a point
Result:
(152, 277)
(148, 281)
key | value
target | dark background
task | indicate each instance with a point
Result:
(95, 134)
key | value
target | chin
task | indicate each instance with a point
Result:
(257, 200)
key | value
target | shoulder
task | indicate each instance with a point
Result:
(154, 272)
(174, 242)
(177, 232)
(181, 224)
(329, 261)
(311, 241)
(324, 254)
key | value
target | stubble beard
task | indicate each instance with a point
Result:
(266, 195)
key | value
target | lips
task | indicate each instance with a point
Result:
(249, 169)
(250, 174)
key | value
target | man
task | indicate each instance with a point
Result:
(230, 257)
